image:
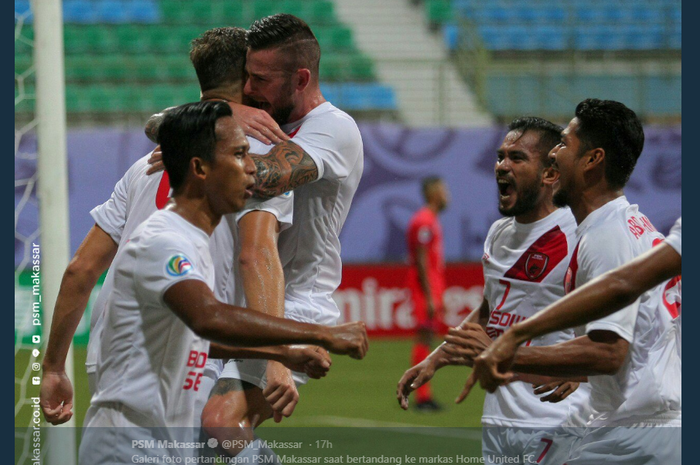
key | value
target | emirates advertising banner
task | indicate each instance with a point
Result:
(379, 296)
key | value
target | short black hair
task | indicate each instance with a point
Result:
(549, 133)
(290, 33)
(428, 183)
(218, 57)
(186, 132)
(612, 126)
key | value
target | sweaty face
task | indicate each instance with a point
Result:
(565, 155)
(270, 84)
(230, 181)
(519, 171)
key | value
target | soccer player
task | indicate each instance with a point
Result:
(323, 163)
(599, 298)
(525, 261)
(219, 59)
(163, 312)
(631, 357)
(426, 277)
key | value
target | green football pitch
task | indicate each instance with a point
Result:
(354, 404)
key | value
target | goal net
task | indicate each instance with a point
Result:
(41, 220)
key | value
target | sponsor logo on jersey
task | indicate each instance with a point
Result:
(178, 265)
(535, 264)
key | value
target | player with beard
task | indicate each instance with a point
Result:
(631, 357)
(525, 259)
(162, 313)
(218, 57)
(323, 164)
(599, 298)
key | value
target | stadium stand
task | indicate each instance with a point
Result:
(590, 25)
(130, 56)
(534, 48)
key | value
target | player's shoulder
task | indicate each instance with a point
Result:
(334, 120)
(497, 227)
(617, 229)
(422, 217)
(140, 166)
(501, 224)
(164, 228)
(563, 218)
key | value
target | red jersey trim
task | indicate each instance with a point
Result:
(541, 257)
(162, 195)
(570, 277)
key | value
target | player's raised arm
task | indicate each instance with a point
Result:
(255, 123)
(284, 168)
(195, 304)
(89, 262)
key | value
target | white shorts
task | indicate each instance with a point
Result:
(254, 371)
(112, 433)
(524, 446)
(92, 378)
(635, 445)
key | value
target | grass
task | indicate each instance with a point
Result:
(354, 405)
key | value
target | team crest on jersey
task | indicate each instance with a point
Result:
(178, 265)
(535, 264)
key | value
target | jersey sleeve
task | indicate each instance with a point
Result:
(425, 234)
(334, 143)
(282, 207)
(674, 237)
(111, 215)
(166, 260)
(599, 253)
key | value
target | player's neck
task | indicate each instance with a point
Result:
(195, 210)
(433, 207)
(308, 103)
(233, 94)
(591, 200)
(542, 210)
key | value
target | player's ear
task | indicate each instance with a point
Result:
(549, 176)
(593, 158)
(199, 168)
(303, 78)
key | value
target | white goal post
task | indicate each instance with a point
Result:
(52, 191)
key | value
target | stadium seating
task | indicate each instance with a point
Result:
(587, 25)
(131, 55)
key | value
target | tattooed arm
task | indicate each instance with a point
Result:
(284, 168)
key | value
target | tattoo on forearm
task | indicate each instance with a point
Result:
(286, 167)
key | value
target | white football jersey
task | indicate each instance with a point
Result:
(310, 248)
(674, 237)
(149, 360)
(648, 385)
(524, 269)
(136, 197)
